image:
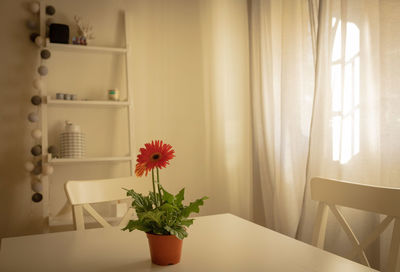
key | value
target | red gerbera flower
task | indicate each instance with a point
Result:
(155, 154)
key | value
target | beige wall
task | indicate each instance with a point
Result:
(172, 91)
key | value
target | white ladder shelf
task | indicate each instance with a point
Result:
(49, 102)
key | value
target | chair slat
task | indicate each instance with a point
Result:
(350, 234)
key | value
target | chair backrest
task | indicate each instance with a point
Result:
(382, 200)
(82, 193)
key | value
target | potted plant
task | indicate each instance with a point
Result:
(160, 214)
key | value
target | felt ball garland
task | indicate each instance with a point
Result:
(36, 134)
(45, 54)
(35, 167)
(36, 150)
(50, 10)
(37, 186)
(36, 100)
(34, 7)
(29, 166)
(33, 117)
(37, 197)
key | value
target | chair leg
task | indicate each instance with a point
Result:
(394, 248)
(318, 238)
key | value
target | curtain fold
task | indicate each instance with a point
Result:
(282, 77)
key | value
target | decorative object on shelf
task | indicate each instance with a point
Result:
(33, 117)
(161, 215)
(34, 7)
(85, 31)
(38, 84)
(59, 33)
(36, 134)
(39, 41)
(45, 54)
(31, 24)
(33, 36)
(60, 96)
(72, 142)
(50, 10)
(36, 150)
(37, 185)
(47, 170)
(53, 151)
(37, 197)
(36, 100)
(67, 97)
(29, 166)
(74, 97)
(42, 70)
(113, 95)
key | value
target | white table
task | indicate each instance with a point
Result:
(215, 243)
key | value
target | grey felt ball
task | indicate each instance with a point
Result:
(50, 10)
(42, 70)
(37, 197)
(33, 117)
(36, 100)
(37, 186)
(36, 150)
(45, 54)
(32, 24)
(33, 36)
(52, 150)
(37, 170)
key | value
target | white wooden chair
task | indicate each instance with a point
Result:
(381, 200)
(82, 193)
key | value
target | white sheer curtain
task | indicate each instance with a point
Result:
(282, 77)
(345, 126)
(355, 127)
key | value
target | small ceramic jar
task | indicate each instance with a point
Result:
(113, 95)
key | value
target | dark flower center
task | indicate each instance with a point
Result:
(155, 156)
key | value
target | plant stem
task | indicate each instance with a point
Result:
(158, 183)
(154, 186)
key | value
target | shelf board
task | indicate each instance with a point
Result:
(100, 103)
(56, 161)
(84, 48)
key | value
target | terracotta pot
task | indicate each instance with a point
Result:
(164, 249)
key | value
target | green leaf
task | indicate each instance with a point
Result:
(136, 224)
(180, 197)
(167, 197)
(187, 222)
(152, 216)
(169, 207)
(178, 231)
(140, 203)
(193, 207)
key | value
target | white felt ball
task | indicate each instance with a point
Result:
(37, 186)
(47, 169)
(39, 41)
(34, 7)
(29, 166)
(38, 84)
(33, 117)
(36, 133)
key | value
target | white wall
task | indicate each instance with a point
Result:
(171, 99)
